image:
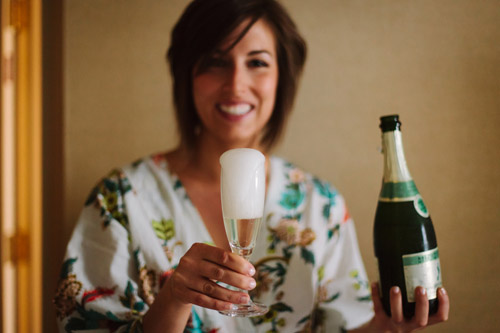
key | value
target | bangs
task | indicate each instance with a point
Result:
(200, 65)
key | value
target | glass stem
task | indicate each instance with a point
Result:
(246, 257)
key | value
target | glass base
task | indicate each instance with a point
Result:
(246, 310)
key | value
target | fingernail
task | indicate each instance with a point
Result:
(396, 290)
(442, 291)
(243, 299)
(423, 291)
(252, 284)
(228, 306)
(251, 271)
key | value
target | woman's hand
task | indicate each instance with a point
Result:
(194, 282)
(397, 322)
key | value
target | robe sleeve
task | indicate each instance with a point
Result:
(344, 290)
(99, 288)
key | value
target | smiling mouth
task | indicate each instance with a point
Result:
(235, 109)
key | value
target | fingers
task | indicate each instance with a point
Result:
(206, 301)
(219, 273)
(397, 322)
(443, 309)
(207, 293)
(189, 288)
(194, 280)
(421, 316)
(396, 305)
(421, 308)
(223, 258)
(219, 265)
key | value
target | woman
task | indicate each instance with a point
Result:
(150, 247)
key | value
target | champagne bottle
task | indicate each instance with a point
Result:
(404, 239)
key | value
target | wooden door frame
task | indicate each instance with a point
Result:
(21, 167)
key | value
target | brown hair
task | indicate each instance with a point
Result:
(203, 26)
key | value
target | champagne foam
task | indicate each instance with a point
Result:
(243, 183)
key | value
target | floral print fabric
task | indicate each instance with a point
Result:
(139, 221)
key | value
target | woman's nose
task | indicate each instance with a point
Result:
(237, 79)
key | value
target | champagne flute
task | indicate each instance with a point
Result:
(243, 189)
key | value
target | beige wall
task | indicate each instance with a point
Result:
(436, 63)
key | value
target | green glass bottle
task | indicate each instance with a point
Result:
(404, 239)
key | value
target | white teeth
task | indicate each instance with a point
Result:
(236, 110)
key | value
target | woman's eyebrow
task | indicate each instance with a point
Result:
(255, 52)
(220, 53)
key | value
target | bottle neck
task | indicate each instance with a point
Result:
(395, 168)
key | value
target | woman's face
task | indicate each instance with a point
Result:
(234, 96)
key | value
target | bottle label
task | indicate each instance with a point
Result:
(420, 207)
(404, 191)
(400, 191)
(422, 269)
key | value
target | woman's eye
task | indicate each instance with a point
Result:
(258, 63)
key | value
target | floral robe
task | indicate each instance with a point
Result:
(139, 221)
